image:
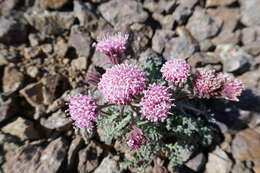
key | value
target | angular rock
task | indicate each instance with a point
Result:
(181, 14)
(240, 168)
(54, 4)
(202, 26)
(79, 63)
(197, 163)
(21, 128)
(5, 108)
(245, 146)
(167, 22)
(253, 48)
(234, 58)
(162, 6)
(108, 165)
(11, 31)
(7, 6)
(50, 22)
(89, 158)
(34, 39)
(218, 162)
(250, 34)
(117, 12)
(12, 79)
(202, 59)
(81, 40)
(3, 60)
(61, 48)
(179, 47)
(74, 148)
(250, 12)
(32, 52)
(251, 78)
(211, 3)
(58, 121)
(32, 71)
(160, 38)
(33, 94)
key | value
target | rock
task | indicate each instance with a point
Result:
(163, 6)
(32, 71)
(245, 147)
(206, 45)
(11, 31)
(80, 39)
(160, 38)
(88, 19)
(8, 143)
(250, 34)
(230, 18)
(181, 14)
(3, 60)
(50, 23)
(252, 48)
(54, 4)
(58, 121)
(211, 3)
(79, 63)
(7, 6)
(100, 60)
(32, 52)
(250, 12)
(197, 163)
(202, 59)
(61, 47)
(202, 26)
(218, 162)
(179, 47)
(117, 12)
(75, 146)
(33, 94)
(251, 78)
(108, 165)
(34, 157)
(47, 48)
(240, 168)
(21, 128)
(5, 108)
(34, 39)
(234, 59)
(167, 22)
(89, 158)
(12, 79)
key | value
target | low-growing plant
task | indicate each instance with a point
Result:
(149, 107)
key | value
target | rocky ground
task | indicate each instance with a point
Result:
(46, 50)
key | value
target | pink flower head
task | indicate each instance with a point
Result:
(112, 44)
(120, 83)
(135, 138)
(176, 71)
(206, 83)
(82, 110)
(156, 103)
(231, 89)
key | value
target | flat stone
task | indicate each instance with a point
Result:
(33, 94)
(197, 163)
(21, 128)
(117, 12)
(179, 47)
(11, 31)
(234, 58)
(49, 23)
(89, 158)
(12, 79)
(202, 26)
(250, 15)
(108, 165)
(245, 146)
(58, 121)
(211, 3)
(54, 4)
(160, 38)
(81, 40)
(218, 162)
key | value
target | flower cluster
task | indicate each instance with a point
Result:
(176, 71)
(135, 138)
(83, 111)
(156, 103)
(112, 44)
(120, 83)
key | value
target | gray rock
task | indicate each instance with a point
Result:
(5, 108)
(179, 47)
(181, 14)
(34, 39)
(32, 52)
(234, 58)
(108, 165)
(250, 12)
(89, 158)
(32, 71)
(197, 163)
(12, 79)
(218, 162)
(75, 146)
(7, 6)
(163, 6)
(211, 3)
(240, 168)
(11, 31)
(202, 59)
(21, 128)
(3, 60)
(117, 12)
(160, 38)
(250, 34)
(202, 26)
(252, 48)
(57, 120)
(50, 22)
(80, 39)
(61, 48)
(79, 63)
(166, 21)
